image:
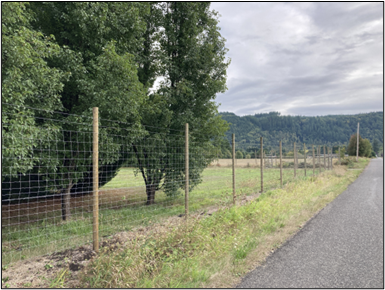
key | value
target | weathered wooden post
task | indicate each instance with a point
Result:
(295, 163)
(304, 156)
(261, 164)
(233, 169)
(280, 160)
(319, 158)
(95, 177)
(324, 158)
(331, 158)
(339, 155)
(313, 160)
(187, 173)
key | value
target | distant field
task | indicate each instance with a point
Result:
(252, 162)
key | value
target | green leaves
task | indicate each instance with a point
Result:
(27, 80)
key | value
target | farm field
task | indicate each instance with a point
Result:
(36, 228)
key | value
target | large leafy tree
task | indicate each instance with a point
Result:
(193, 67)
(98, 43)
(26, 81)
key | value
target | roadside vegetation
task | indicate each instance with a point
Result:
(216, 250)
(122, 209)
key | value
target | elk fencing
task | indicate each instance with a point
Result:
(69, 180)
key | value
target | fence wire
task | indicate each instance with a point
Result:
(47, 178)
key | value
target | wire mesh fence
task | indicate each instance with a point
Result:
(48, 198)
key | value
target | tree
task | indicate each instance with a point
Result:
(95, 40)
(193, 66)
(367, 148)
(238, 155)
(26, 81)
(376, 145)
(364, 148)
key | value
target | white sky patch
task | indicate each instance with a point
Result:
(290, 57)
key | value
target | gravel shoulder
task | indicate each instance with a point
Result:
(341, 247)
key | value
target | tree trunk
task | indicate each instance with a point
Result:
(66, 203)
(150, 191)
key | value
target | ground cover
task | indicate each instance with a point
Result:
(36, 228)
(212, 249)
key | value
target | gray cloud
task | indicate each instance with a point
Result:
(307, 58)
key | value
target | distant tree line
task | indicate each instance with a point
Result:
(332, 131)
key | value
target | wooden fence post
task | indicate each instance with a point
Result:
(313, 160)
(261, 164)
(339, 155)
(187, 173)
(295, 163)
(304, 156)
(331, 159)
(324, 158)
(95, 177)
(319, 158)
(233, 169)
(280, 159)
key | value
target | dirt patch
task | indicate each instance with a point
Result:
(40, 272)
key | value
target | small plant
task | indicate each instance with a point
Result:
(4, 280)
(4, 267)
(58, 282)
(28, 284)
(48, 266)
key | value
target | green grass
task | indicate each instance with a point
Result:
(214, 251)
(123, 213)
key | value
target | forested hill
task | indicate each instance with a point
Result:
(328, 130)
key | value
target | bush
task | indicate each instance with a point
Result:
(239, 155)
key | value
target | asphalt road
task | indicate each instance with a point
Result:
(342, 247)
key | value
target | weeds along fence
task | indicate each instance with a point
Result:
(69, 180)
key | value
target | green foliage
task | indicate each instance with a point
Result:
(26, 80)
(108, 55)
(376, 145)
(329, 130)
(364, 148)
(192, 63)
(239, 155)
(94, 41)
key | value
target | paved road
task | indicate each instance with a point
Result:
(342, 247)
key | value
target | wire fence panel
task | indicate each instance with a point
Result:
(47, 177)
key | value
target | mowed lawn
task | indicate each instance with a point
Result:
(36, 230)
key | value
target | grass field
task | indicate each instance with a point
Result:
(36, 228)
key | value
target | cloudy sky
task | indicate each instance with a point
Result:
(304, 59)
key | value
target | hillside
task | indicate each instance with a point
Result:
(329, 130)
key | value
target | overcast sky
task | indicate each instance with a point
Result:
(303, 58)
